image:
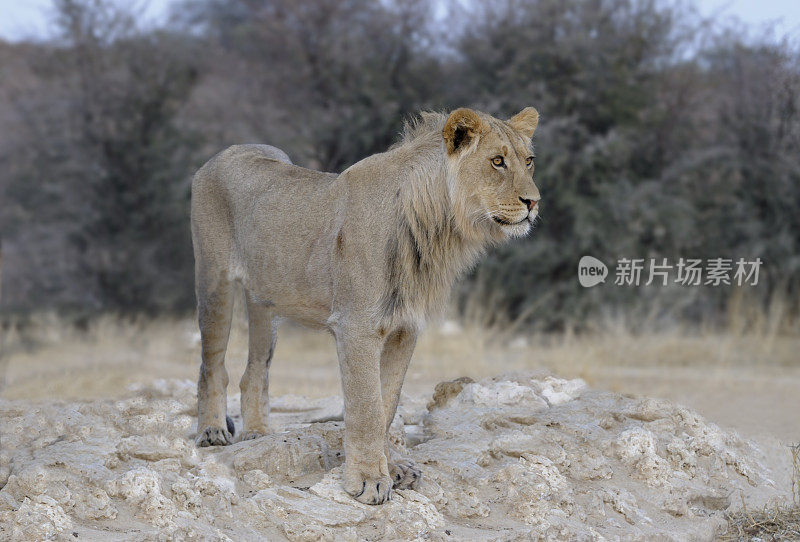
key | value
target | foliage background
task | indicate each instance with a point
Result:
(662, 135)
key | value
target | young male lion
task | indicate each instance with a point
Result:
(369, 255)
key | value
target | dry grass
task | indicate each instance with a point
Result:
(769, 523)
(734, 376)
(46, 358)
(795, 449)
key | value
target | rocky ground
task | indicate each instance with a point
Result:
(517, 457)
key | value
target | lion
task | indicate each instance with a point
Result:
(370, 255)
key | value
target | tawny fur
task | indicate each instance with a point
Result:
(370, 254)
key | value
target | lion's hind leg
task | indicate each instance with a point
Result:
(214, 308)
(255, 381)
(404, 472)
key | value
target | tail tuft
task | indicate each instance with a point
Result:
(231, 427)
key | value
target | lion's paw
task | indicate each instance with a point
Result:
(213, 436)
(405, 474)
(372, 491)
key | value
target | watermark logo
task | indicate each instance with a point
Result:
(661, 272)
(591, 271)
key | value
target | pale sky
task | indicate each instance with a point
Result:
(21, 19)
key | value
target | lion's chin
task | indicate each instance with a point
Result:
(520, 229)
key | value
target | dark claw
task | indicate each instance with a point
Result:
(363, 488)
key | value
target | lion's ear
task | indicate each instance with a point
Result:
(525, 121)
(462, 126)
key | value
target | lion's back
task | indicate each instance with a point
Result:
(249, 199)
(266, 151)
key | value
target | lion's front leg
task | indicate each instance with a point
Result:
(366, 471)
(395, 359)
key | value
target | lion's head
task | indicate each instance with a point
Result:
(492, 165)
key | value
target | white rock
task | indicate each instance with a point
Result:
(500, 394)
(513, 457)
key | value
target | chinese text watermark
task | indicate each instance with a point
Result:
(661, 272)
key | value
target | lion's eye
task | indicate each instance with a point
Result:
(498, 161)
(529, 161)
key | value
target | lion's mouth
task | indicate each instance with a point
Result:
(504, 222)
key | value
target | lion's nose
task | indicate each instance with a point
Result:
(529, 203)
